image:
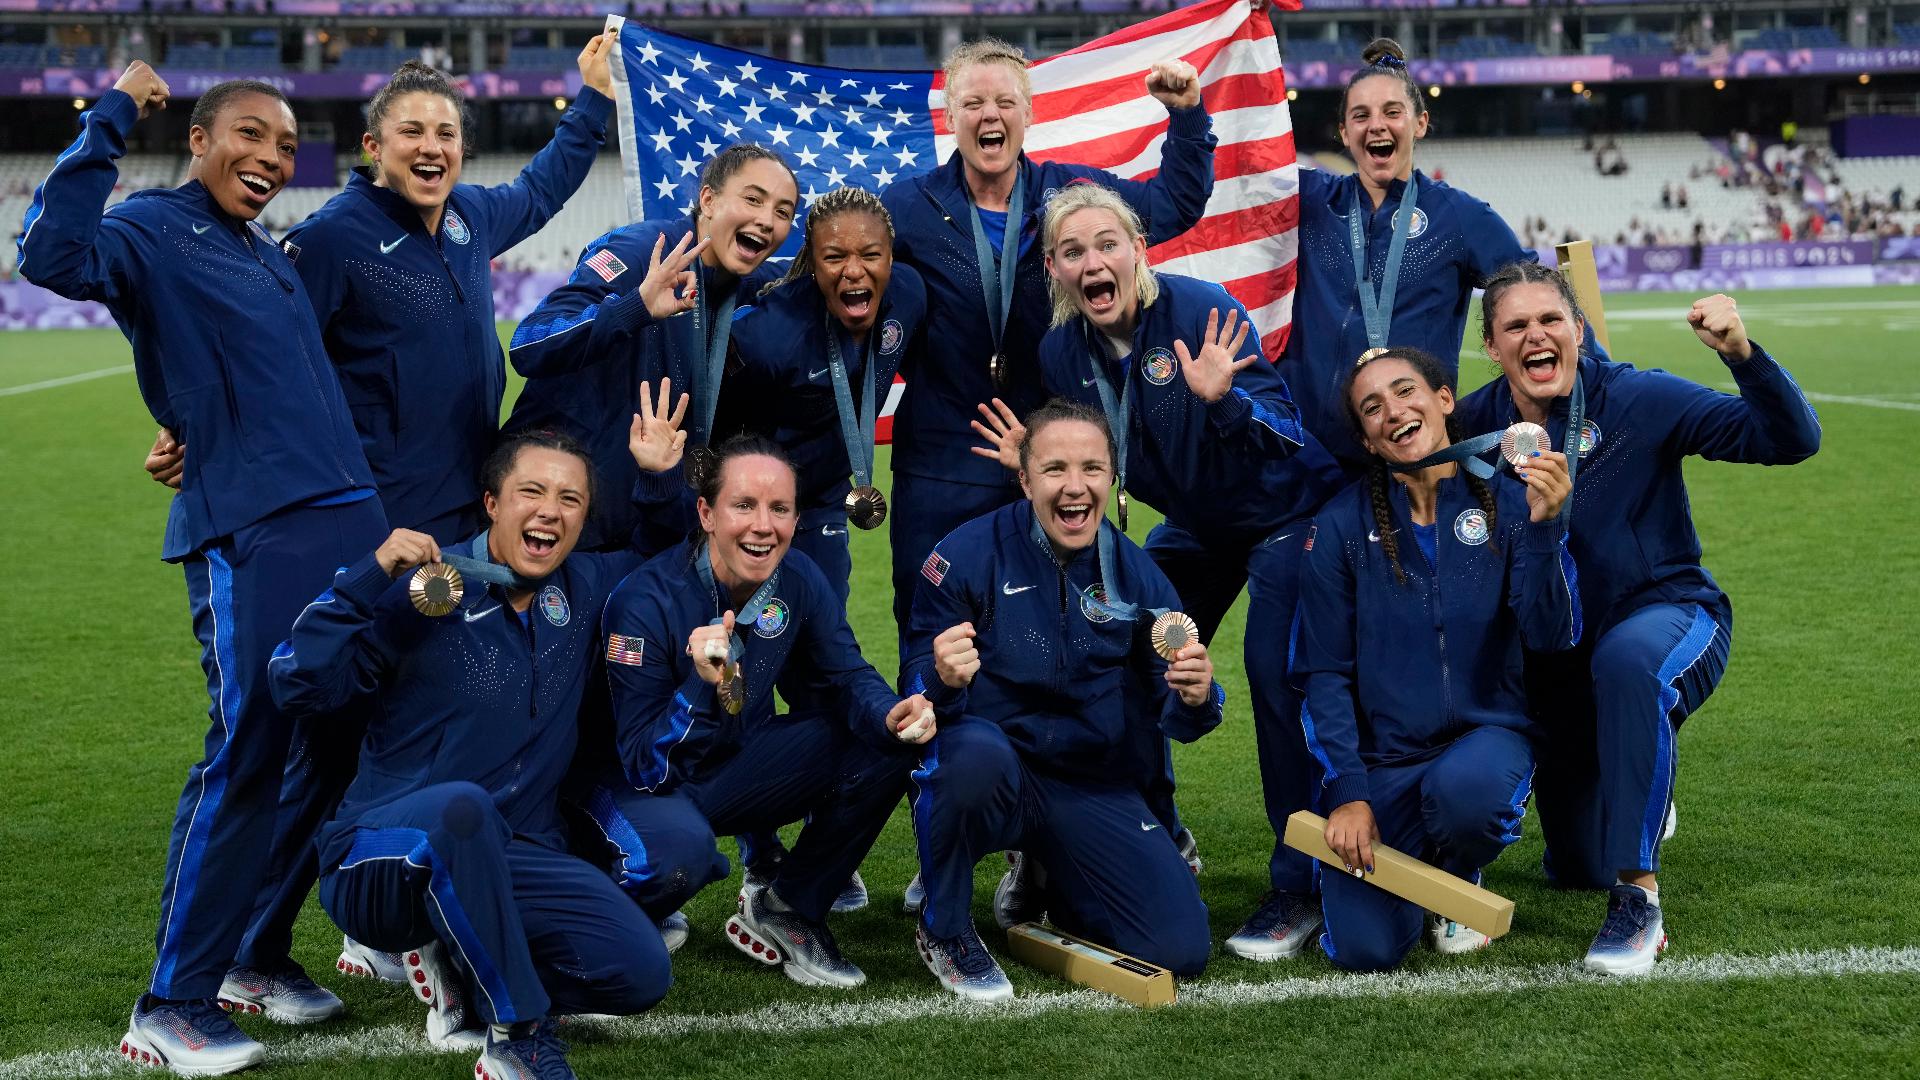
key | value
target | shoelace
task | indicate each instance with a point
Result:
(543, 1052)
(966, 953)
(1626, 916)
(1273, 910)
(209, 1019)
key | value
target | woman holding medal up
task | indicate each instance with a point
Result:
(1213, 441)
(1418, 588)
(1659, 628)
(450, 841)
(696, 641)
(591, 343)
(956, 225)
(1388, 256)
(1047, 643)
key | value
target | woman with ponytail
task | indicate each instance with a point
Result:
(1419, 585)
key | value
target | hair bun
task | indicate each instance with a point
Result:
(1383, 52)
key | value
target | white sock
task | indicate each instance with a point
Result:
(1652, 894)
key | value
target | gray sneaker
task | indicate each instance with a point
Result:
(851, 898)
(915, 897)
(287, 996)
(773, 933)
(1017, 898)
(442, 987)
(963, 965)
(362, 962)
(1279, 928)
(530, 1052)
(674, 931)
(1189, 850)
(193, 1038)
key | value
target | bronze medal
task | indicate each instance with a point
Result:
(435, 589)
(866, 507)
(997, 367)
(1123, 510)
(1522, 440)
(1172, 632)
(732, 689)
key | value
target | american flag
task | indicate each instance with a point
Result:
(681, 101)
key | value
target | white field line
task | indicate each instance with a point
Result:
(64, 380)
(800, 1018)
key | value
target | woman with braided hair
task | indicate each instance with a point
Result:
(1409, 653)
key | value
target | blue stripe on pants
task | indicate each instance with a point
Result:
(1693, 647)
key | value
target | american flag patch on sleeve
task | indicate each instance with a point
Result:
(935, 568)
(605, 263)
(622, 649)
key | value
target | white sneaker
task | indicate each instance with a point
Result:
(1632, 938)
(674, 931)
(915, 897)
(193, 1038)
(442, 988)
(963, 965)
(359, 960)
(1281, 927)
(1450, 938)
(287, 996)
(774, 934)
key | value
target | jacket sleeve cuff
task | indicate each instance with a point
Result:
(1543, 537)
(1189, 722)
(595, 106)
(627, 312)
(1230, 411)
(363, 583)
(118, 109)
(655, 488)
(1189, 123)
(1346, 789)
(1758, 368)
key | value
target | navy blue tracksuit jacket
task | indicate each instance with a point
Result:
(1454, 243)
(224, 342)
(1237, 468)
(591, 343)
(1393, 672)
(408, 316)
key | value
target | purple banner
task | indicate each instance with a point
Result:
(1619, 261)
(72, 82)
(1900, 248)
(1781, 256)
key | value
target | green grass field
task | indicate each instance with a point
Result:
(1792, 890)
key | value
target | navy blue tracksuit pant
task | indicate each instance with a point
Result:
(1114, 873)
(245, 591)
(1456, 809)
(1613, 707)
(1208, 575)
(812, 767)
(321, 762)
(537, 931)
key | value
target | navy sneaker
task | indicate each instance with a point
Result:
(963, 965)
(773, 933)
(287, 996)
(851, 898)
(1633, 936)
(362, 962)
(531, 1052)
(193, 1038)
(1279, 928)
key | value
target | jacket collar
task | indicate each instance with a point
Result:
(947, 185)
(1341, 195)
(390, 203)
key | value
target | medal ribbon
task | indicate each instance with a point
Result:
(995, 278)
(1103, 546)
(1377, 308)
(856, 429)
(703, 562)
(706, 381)
(1119, 410)
(1468, 451)
(483, 568)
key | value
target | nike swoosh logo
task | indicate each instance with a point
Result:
(1008, 588)
(472, 616)
(1086, 382)
(1277, 539)
(1144, 827)
(811, 375)
(1374, 537)
(198, 229)
(387, 249)
(828, 530)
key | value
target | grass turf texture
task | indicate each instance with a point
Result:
(1796, 805)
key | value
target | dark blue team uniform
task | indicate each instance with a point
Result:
(1237, 480)
(938, 482)
(778, 386)
(1414, 695)
(1659, 627)
(452, 827)
(407, 317)
(591, 343)
(1039, 752)
(1454, 243)
(275, 488)
(686, 769)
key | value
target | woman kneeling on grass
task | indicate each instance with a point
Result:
(1410, 654)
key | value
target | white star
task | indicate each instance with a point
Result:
(835, 177)
(883, 177)
(702, 106)
(802, 114)
(648, 52)
(730, 129)
(688, 166)
(813, 193)
(852, 114)
(906, 157)
(872, 97)
(776, 94)
(749, 71)
(848, 82)
(824, 97)
(708, 147)
(727, 86)
(830, 137)
(656, 95)
(779, 135)
(682, 121)
(807, 157)
(662, 141)
(665, 187)
(899, 86)
(700, 63)
(880, 135)
(796, 78)
(857, 159)
(752, 112)
(900, 118)
(676, 80)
